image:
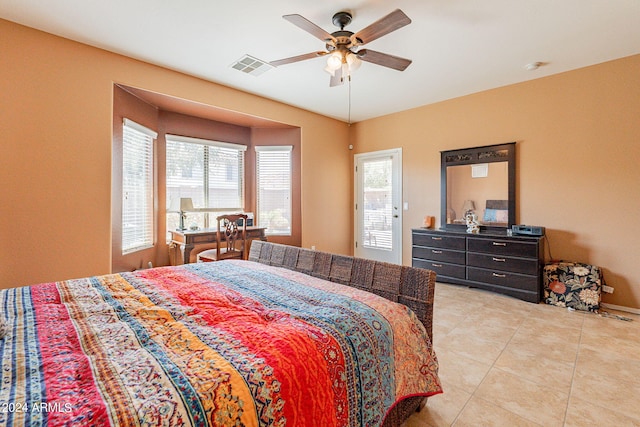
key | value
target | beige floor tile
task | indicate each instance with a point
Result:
(494, 319)
(497, 335)
(460, 371)
(583, 413)
(472, 346)
(608, 392)
(491, 299)
(612, 326)
(507, 362)
(450, 293)
(521, 361)
(607, 363)
(445, 320)
(604, 336)
(526, 399)
(460, 306)
(441, 410)
(559, 317)
(480, 413)
(536, 337)
(556, 319)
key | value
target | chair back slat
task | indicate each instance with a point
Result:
(231, 239)
(231, 236)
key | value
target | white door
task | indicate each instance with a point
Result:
(378, 210)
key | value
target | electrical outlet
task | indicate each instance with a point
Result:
(607, 289)
(313, 247)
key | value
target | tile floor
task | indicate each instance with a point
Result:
(505, 362)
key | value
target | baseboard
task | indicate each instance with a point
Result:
(621, 308)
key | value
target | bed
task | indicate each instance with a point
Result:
(291, 337)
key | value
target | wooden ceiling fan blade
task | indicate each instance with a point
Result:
(297, 58)
(336, 78)
(383, 59)
(311, 28)
(393, 21)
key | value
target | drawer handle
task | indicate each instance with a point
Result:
(499, 275)
(433, 251)
(436, 265)
(499, 244)
(499, 259)
(436, 238)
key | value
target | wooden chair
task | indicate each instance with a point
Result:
(231, 239)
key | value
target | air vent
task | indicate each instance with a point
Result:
(250, 65)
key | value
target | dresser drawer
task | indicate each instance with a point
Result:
(503, 247)
(505, 279)
(504, 263)
(441, 268)
(439, 241)
(436, 254)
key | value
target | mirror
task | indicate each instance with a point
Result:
(480, 179)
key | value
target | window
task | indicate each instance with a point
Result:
(273, 184)
(137, 187)
(211, 173)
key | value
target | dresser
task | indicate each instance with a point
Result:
(510, 265)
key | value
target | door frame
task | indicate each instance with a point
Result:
(396, 155)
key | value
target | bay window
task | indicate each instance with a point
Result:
(211, 173)
(138, 228)
(273, 189)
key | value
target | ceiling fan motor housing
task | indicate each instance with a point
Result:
(342, 19)
(342, 38)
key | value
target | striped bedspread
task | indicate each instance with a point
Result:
(232, 343)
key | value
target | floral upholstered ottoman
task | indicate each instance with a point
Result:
(574, 285)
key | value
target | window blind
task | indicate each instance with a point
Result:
(137, 187)
(211, 173)
(273, 184)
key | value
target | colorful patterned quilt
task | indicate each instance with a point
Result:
(232, 343)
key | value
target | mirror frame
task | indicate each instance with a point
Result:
(470, 156)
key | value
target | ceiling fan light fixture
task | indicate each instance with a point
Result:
(348, 62)
(334, 61)
(353, 61)
(330, 71)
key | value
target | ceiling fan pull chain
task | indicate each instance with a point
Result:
(349, 109)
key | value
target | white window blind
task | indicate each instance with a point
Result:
(137, 187)
(273, 183)
(211, 173)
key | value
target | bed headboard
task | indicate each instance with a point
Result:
(413, 287)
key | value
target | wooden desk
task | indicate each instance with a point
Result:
(186, 242)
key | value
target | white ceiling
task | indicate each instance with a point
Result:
(458, 47)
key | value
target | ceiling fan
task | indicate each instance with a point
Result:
(343, 46)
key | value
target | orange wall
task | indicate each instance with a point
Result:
(578, 160)
(56, 107)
